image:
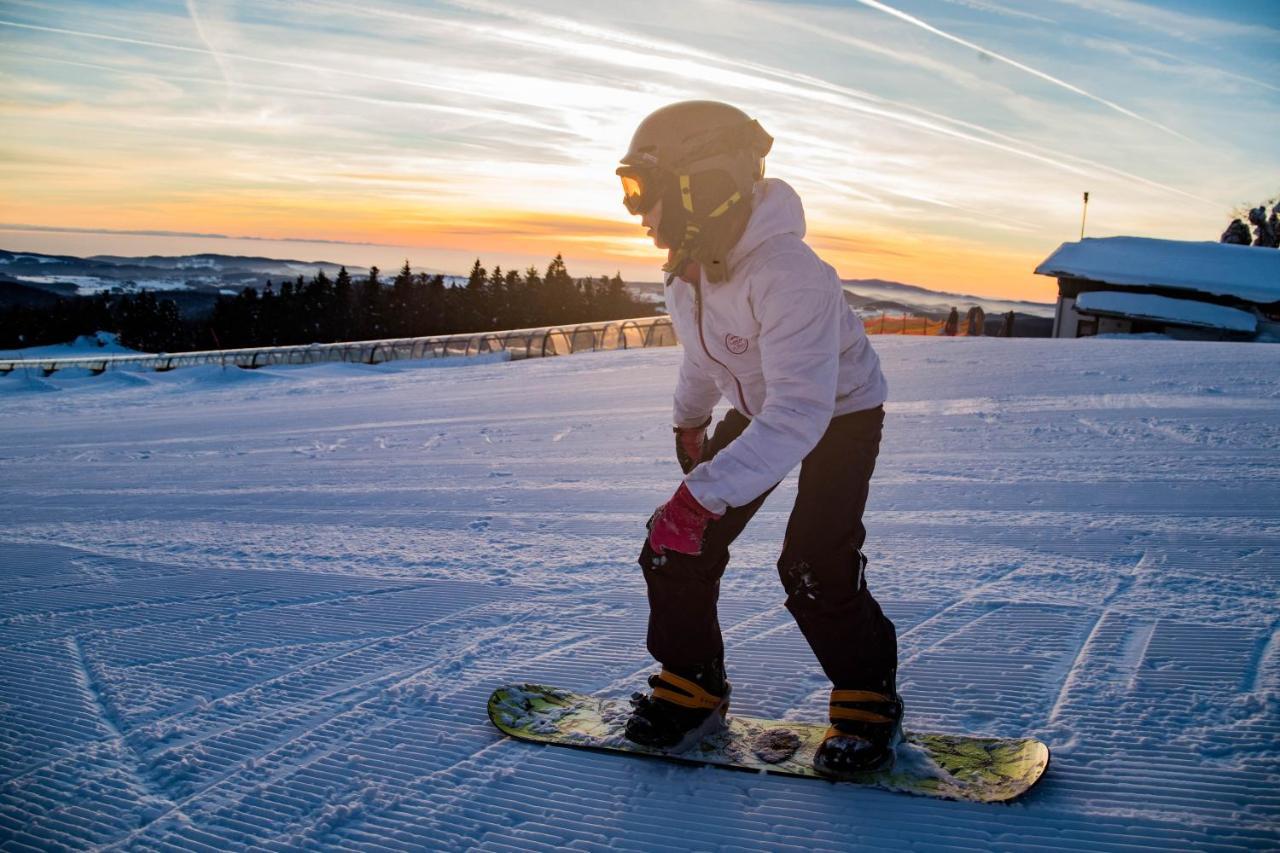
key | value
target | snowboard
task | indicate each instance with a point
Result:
(948, 766)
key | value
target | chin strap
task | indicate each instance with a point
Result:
(688, 248)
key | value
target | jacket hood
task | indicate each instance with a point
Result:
(775, 209)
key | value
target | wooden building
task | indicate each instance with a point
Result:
(1182, 289)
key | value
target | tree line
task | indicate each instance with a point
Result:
(324, 309)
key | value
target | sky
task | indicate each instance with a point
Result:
(943, 143)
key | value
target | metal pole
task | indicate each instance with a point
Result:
(1083, 214)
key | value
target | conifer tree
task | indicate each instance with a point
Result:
(369, 318)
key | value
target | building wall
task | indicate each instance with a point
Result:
(1069, 323)
(1065, 319)
(1114, 326)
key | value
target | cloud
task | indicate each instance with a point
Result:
(63, 229)
(311, 68)
(855, 245)
(684, 63)
(996, 9)
(1179, 25)
(758, 77)
(917, 22)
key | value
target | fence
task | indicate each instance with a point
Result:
(521, 343)
(973, 324)
(905, 324)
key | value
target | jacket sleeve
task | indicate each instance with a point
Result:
(799, 312)
(696, 395)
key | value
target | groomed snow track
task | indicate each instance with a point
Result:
(265, 609)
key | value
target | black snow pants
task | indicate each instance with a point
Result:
(821, 567)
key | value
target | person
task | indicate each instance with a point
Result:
(1237, 233)
(975, 321)
(952, 326)
(765, 324)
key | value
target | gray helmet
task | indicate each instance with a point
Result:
(701, 158)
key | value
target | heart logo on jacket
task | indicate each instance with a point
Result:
(735, 344)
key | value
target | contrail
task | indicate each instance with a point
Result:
(814, 89)
(784, 82)
(914, 21)
(299, 66)
(464, 112)
(217, 57)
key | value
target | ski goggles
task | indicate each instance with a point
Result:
(640, 190)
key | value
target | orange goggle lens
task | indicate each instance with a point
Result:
(635, 193)
(631, 188)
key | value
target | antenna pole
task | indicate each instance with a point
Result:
(1083, 214)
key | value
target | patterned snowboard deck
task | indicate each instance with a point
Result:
(954, 767)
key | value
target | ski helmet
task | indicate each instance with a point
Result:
(701, 159)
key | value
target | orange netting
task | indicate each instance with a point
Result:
(903, 324)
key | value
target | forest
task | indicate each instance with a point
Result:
(324, 309)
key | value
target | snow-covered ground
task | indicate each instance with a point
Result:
(266, 608)
(88, 285)
(85, 346)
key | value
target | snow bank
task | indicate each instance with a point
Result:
(1182, 312)
(100, 343)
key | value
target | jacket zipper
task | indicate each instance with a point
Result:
(697, 298)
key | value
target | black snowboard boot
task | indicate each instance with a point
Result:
(866, 726)
(680, 711)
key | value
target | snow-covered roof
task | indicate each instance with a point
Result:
(1246, 272)
(1180, 312)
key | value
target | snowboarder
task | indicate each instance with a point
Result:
(764, 323)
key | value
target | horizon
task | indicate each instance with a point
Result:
(939, 143)
(386, 270)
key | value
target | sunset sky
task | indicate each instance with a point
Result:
(943, 143)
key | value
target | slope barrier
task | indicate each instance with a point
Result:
(637, 333)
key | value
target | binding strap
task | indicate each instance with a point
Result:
(866, 706)
(686, 694)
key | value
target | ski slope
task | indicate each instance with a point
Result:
(265, 609)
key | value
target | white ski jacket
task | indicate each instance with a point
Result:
(778, 340)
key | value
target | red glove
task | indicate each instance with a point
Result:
(680, 524)
(689, 444)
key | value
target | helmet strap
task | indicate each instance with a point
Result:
(709, 249)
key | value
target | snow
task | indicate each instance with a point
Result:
(1182, 312)
(88, 285)
(40, 259)
(85, 346)
(925, 300)
(266, 608)
(1250, 273)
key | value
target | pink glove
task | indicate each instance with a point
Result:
(680, 524)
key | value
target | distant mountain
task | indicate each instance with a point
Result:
(875, 295)
(870, 296)
(193, 281)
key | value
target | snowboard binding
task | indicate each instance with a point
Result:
(866, 728)
(679, 712)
